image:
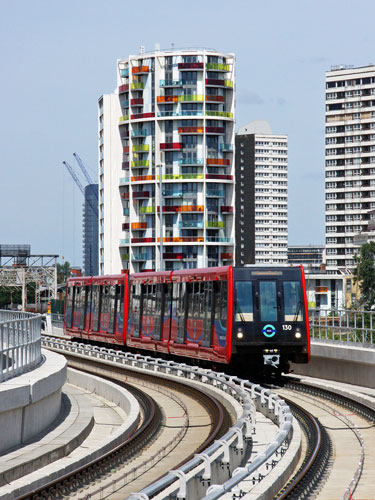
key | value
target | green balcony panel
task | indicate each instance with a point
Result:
(228, 83)
(217, 67)
(124, 118)
(147, 210)
(137, 85)
(141, 147)
(182, 98)
(211, 224)
(224, 114)
(140, 163)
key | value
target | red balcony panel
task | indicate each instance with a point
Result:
(136, 102)
(140, 116)
(214, 81)
(143, 240)
(225, 209)
(220, 177)
(123, 88)
(171, 145)
(226, 256)
(218, 161)
(125, 149)
(125, 226)
(190, 130)
(215, 98)
(125, 165)
(194, 65)
(125, 196)
(141, 194)
(140, 69)
(215, 130)
(172, 255)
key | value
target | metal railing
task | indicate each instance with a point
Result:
(344, 325)
(20, 343)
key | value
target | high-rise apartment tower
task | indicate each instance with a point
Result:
(261, 195)
(350, 161)
(172, 115)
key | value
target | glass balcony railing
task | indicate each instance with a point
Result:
(140, 69)
(226, 256)
(217, 239)
(215, 98)
(217, 67)
(222, 177)
(222, 162)
(226, 147)
(142, 178)
(215, 193)
(140, 133)
(124, 241)
(169, 146)
(140, 163)
(124, 72)
(215, 224)
(141, 116)
(141, 194)
(226, 209)
(190, 130)
(188, 225)
(147, 210)
(170, 83)
(123, 88)
(182, 176)
(143, 240)
(163, 114)
(183, 239)
(124, 103)
(137, 86)
(124, 118)
(140, 147)
(136, 102)
(139, 256)
(126, 211)
(223, 114)
(191, 161)
(192, 65)
(124, 181)
(137, 226)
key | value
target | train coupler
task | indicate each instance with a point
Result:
(271, 357)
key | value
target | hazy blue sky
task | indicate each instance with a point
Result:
(57, 58)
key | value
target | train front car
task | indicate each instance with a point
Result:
(270, 319)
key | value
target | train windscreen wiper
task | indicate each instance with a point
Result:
(297, 311)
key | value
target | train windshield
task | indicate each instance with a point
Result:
(292, 301)
(268, 301)
(244, 301)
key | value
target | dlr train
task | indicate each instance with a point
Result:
(254, 318)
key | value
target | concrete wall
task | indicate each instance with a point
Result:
(31, 402)
(340, 362)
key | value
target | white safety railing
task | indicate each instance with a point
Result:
(223, 465)
(343, 325)
(20, 343)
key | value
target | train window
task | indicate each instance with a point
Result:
(120, 310)
(268, 301)
(89, 309)
(95, 306)
(77, 306)
(292, 295)
(147, 309)
(135, 309)
(112, 299)
(208, 311)
(84, 290)
(158, 309)
(69, 307)
(221, 292)
(181, 297)
(244, 301)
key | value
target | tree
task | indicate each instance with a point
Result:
(63, 272)
(365, 274)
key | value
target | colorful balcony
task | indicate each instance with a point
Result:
(139, 256)
(136, 102)
(123, 88)
(142, 178)
(140, 133)
(124, 103)
(226, 256)
(215, 130)
(124, 134)
(124, 118)
(191, 225)
(171, 146)
(125, 196)
(188, 66)
(223, 114)
(173, 256)
(137, 195)
(125, 256)
(182, 208)
(193, 112)
(191, 98)
(139, 70)
(215, 224)
(191, 161)
(124, 72)
(226, 147)
(221, 177)
(125, 165)
(143, 240)
(215, 98)
(225, 209)
(124, 181)
(147, 210)
(140, 163)
(219, 162)
(170, 83)
(166, 98)
(190, 130)
(139, 148)
(142, 116)
(126, 211)
(125, 149)
(217, 67)
(183, 239)
(125, 226)
(137, 86)
(213, 82)
(218, 239)
(137, 226)
(171, 177)
(215, 193)
(124, 242)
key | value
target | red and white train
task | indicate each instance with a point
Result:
(254, 317)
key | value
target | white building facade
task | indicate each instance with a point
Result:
(172, 114)
(349, 162)
(261, 195)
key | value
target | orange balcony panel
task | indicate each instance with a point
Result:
(139, 225)
(215, 98)
(137, 178)
(167, 98)
(140, 69)
(190, 130)
(218, 161)
(187, 239)
(226, 256)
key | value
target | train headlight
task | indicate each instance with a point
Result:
(298, 334)
(240, 334)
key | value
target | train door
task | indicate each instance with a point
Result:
(268, 308)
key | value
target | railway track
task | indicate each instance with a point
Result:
(115, 469)
(339, 460)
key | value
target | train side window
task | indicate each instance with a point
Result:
(221, 298)
(207, 313)
(112, 302)
(120, 309)
(89, 308)
(69, 307)
(181, 311)
(244, 301)
(77, 306)
(158, 309)
(292, 301)
(83, 308)
(268, 301)
(95, 306)
(136, 308)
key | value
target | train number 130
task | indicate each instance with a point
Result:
(287, 327)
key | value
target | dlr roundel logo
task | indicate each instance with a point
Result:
(269, 331)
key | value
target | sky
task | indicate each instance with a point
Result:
(58, 58)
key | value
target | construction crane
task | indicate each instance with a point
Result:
(78, 182)
(85, 173)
